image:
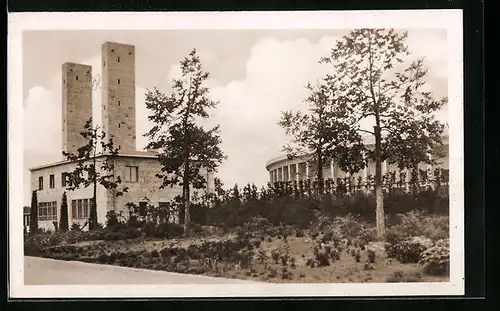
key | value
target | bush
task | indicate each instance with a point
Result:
(407, 251)
(111, 219)
(404, 277)
(436, 259)
(75, 226)
(322, 259)
(169, 230)
(417, 223)
(120, 232)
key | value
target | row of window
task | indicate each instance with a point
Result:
(80, 209)
(131, 175)
(47, 210)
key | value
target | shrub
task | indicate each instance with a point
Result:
(436, 259)
(404, 277)
(111, 219)
(120, 232)
(299, 233)
(64, 225)
(418, 223)
(75, 226)
(170, 230)
(407, 251)
(285, 274)
(371, 256)
(322, 259)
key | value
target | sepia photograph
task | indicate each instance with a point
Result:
(236, 154)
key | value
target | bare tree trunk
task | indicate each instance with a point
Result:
(379, 195)
(320, 171)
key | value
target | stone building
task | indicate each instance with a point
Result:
(137, 169)
(302, 168)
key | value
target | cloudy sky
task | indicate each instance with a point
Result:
(255, 74)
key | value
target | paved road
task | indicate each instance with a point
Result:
(43, 271)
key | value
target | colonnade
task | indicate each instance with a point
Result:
(303, 171)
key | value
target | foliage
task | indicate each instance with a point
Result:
(418, 223)
(120, 232)
(64, 222)
(185, 146)
(321, 132)
(111, 219)
(407, 251)
(404, 277)
(163, 230)
(436, 259)
(75, 226)
(88, 173)
(34, 213)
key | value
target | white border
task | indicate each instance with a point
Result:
(451, 20)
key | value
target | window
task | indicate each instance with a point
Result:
(52, 182)
(47, 210)
(118, 58)
(132, 173)
(73, 209)
(79, 205)
(118, 81)
(80, 208)
(112, 50)
(119, 124)
(85, 207)
(119, 102)
(76, 78)
(40, 183)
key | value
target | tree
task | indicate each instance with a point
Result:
(34, 213)
(88, 173)
(64, 221)
(185, 146)
(321, 131)
(378, 84)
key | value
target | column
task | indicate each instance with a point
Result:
(282, 173)
(307, 170)
(297, 172)
(332, 173)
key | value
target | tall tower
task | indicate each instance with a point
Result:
(76, 104)
(118, 94)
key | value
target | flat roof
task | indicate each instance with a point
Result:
(128, 154)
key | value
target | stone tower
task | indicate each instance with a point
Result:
(76, 104)
(118, 94)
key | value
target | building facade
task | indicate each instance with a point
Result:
(302, 167)
(136, 169)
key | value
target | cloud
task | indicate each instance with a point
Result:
(276, 75)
